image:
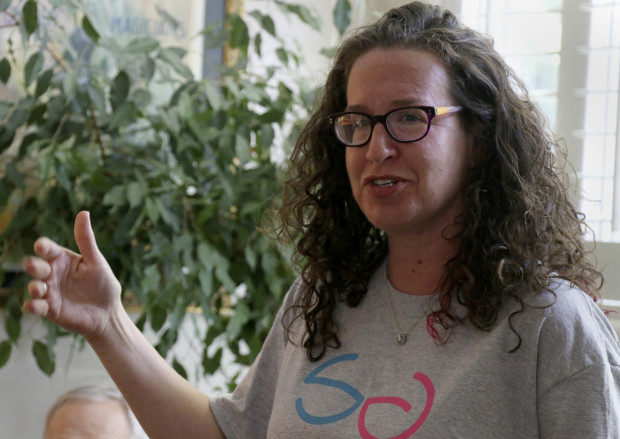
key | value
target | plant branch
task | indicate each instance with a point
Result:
(57, 58)
(97, 131)
(61, 125)
(15, 20)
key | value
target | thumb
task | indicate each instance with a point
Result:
(85, 237)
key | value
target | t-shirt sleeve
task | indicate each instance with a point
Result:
(246, 412)
(585, 405)
(578, 371)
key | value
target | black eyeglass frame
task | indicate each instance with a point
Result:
(431, 113)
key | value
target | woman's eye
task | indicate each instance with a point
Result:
(410, 118)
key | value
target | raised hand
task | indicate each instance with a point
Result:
(78, 292)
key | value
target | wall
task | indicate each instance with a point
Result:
(27, 393)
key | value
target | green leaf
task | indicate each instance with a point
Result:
(342, 15)
(272, 116)
(97, 96)
(151, 279)
(5, 352)
(173, 58)
(43, 82)
(30, 15)
(46, 163)
(214, 95)
(14, 176)
(147, 68)
(239, 319)
(282, 55)
(33, 67)
(239, 34)
(63, 177)
(173, 22)
(43, 357)
(167, 341)
(122, 115)
(70, 85)
(266, 136)
(179, 368)
(136, 191)
(89, 29)
(141, 98)
(302, 12)
(13, 327)
(158, 317)
(152, 209)
(258, 45)
(141, 45)
(115, 197)
(120, 89)
(5, 70)
(251, 257)
(141, 322)
(124, 231)
(268, 24)
(329, 52)
(211, 364)
(205, 278)
(242, 148)
(186, 107)
(17, 118)
(265, 21)
(4, 5)
(169, 218)
(37, 114)
(210, 257)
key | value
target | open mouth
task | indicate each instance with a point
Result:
(383, 182)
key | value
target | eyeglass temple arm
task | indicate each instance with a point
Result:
(445, 110)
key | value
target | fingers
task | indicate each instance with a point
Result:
(37, 289)
(38, 307)
(47, 249)
(85, 238)
(37, 267)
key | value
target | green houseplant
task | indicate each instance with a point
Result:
(175, 171)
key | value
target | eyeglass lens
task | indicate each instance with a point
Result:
(405, 125)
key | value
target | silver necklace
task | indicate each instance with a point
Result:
(401, 337)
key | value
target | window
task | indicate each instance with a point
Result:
(574, 77)
(600, 173)
(568, 53)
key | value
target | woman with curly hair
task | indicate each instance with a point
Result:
(444, 287)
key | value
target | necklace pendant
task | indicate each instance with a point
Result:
(401, 338)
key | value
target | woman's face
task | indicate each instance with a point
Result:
(407, 188)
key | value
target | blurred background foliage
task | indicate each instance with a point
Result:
(176, 171)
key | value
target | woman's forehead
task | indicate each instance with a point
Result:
(398, 77)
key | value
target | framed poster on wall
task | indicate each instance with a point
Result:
(176, 23)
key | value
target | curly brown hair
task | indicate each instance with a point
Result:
(520, 228)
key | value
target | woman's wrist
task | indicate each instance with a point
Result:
(115, 328)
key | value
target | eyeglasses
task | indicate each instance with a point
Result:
(406, 124)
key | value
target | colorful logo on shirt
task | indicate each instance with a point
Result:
(360, 401)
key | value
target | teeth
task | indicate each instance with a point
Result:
(384, 182)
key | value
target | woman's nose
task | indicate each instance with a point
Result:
(380, 147)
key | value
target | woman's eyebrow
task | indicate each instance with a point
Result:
(394, 104)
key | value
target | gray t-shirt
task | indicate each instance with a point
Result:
(562, 382)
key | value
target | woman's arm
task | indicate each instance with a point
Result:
(80, 293)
